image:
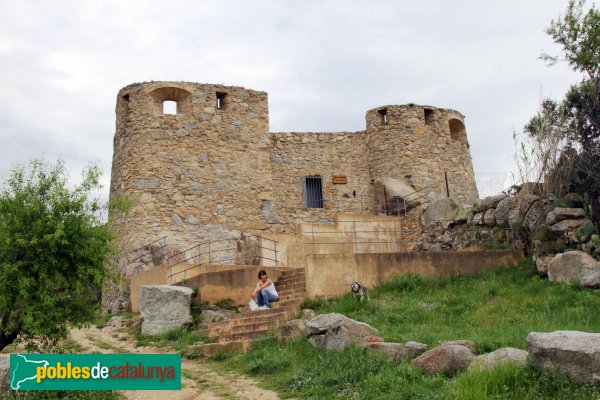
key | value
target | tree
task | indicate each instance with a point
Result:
(54, 250)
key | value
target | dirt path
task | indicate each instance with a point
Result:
(198, 380)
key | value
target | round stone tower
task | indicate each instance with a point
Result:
(420, 147)
(194, 160)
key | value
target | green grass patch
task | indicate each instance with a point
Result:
(180, 340)
(494, 309)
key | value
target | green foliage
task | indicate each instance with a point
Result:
(494, 309)
(179, 339)
(54, 250)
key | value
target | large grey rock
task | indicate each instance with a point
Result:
(503, 355)
(164, 307)
(574, 354)
(489, 218)
(560, 213)
(571, 266)
(308, 313)
(4, 371)
(397, 351)
(336, 331)
(521, 206)
(568, 225)
(293, 329)
(536, 216)
(515, 218)
(448, 359)
(502, 210)
(591, 280)
(482, 205)
(444, 211)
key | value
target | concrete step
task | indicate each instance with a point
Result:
(288, 286)
(290, 282)
(243, 319)
(210, 349)
(251, 327)
(242, 336)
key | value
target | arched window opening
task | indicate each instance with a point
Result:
(457, 130)
(171, 100)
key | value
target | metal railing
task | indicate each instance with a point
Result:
(252, 250)
(153, 252)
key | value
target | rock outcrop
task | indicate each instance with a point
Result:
(503, 355)
(336, 331)
(574, 354)
(293, 329)
(571, 266)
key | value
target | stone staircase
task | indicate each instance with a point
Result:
(237, 333)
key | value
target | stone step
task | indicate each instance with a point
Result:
(210, 349)
(243, 319)
(288, 286)
(290, 282)
(250, 327)
(242, 336)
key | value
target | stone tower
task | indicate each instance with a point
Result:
(419, 147)
(200, 172)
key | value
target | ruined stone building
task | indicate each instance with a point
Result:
(211, 169)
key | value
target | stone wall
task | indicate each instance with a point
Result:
(297, 155)
(416, 145)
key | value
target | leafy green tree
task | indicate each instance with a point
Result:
(54, 250)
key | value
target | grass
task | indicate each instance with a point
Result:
(495, 309)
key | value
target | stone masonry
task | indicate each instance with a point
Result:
(212, 170)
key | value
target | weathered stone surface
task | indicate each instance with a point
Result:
(444, 211)
(477, 219)
(568, 225)
(561, 213)
(164, 307)
(444, 359)
(571, 266)
(487, 203)
(308, 313)
(396, 351)
(503, 355)
(542, 263)
(469, 344)
(336, 331)
(293, 329)
(489, 218)
(574, 354)
(536, 216)
(515, 219)
(502, 210)
(591, 280)
(521, 206)
(115, 322)
(209, 316)
(4, 371)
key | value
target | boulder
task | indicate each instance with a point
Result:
(574, 354)
(477, 219)
(293, 329)
(444, 211)
(503, 355)
(560, 213)
(521, 206)
(164, 307)
(489, 218)
(4, 371)
(336, 331)
(469, 344)
(490, 202)
(309, 313)
(515, 219)
(536, 216)
(542, 263)
(448, 359)
(591, 280)
(115, 322)
(397, 351)
(568, 225)
(502, 210)
(571, 266)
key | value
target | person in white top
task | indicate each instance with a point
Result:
(265, 291)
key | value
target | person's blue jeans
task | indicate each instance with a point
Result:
(264, 298)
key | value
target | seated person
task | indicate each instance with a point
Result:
(265, 291)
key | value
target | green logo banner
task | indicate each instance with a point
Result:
(95, 371)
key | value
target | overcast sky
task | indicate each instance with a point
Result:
(323, 63)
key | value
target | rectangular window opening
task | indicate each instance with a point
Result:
(313, 192)
(428, 116)
(170, 107)
(383, 115)
(221, 100)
